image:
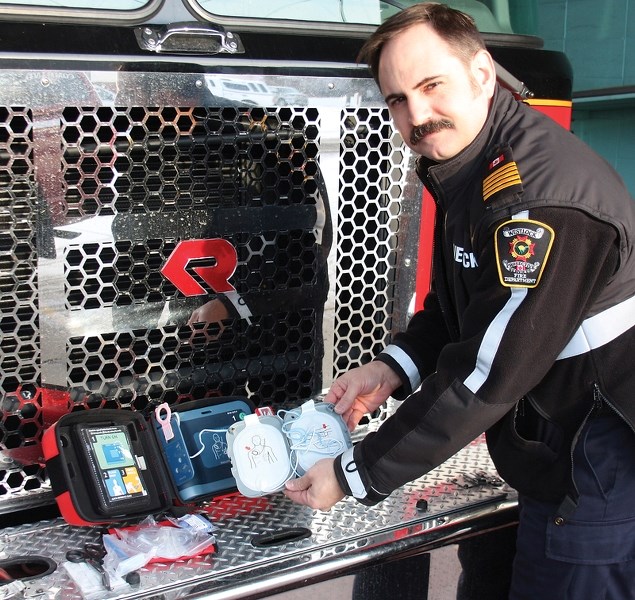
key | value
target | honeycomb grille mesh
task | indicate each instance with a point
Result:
(19, 322)
(272, 359)
(124, 273)
(21, 420)
(372, 176)
(151, 177)
(151, 160)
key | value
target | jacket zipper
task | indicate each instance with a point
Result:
(439, 274)
(598, 400)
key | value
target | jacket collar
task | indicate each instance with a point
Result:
(446, 178)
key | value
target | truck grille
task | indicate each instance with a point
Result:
(94, 199)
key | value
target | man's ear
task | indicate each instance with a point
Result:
(484, 71)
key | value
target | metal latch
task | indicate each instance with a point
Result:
(188, 38)
(513, 84)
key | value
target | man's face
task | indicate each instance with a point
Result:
(438, 103)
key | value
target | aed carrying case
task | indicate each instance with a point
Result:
(109, 465)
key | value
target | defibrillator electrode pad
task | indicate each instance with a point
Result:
(315, 431)
(267, 451)
(259, 454)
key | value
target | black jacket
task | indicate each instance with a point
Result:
(530, 324)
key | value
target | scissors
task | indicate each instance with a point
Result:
(93, 555)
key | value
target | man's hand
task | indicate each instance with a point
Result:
(362, 390)
(317, 488)
(210, 312)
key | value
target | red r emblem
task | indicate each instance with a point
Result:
(213, 260)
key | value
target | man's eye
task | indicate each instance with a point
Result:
(430, 86)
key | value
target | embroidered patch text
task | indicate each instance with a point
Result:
(522, 250)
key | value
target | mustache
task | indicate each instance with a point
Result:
(420, 131)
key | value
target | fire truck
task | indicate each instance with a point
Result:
(203, 199)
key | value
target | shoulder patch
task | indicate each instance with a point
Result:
(522, 250)
(501, 174)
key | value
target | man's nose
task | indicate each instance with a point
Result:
(419, 112)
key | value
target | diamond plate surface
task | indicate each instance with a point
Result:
(348, 532)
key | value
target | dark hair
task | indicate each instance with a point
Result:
(455, 27)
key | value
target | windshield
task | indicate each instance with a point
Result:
(82, 4)
(491, 16)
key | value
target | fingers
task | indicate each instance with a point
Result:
(343, 393)
(301, 491)
(355, 404)
(298, 485)
(362, 390)
(352, 418)
(318, 488)
(301, 497)
(334, 395)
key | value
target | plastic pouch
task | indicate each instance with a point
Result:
(153, 541)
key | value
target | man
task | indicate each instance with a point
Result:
(528, 332)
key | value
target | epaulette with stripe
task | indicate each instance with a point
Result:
(501, 175)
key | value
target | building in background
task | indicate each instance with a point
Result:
(599, 40)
